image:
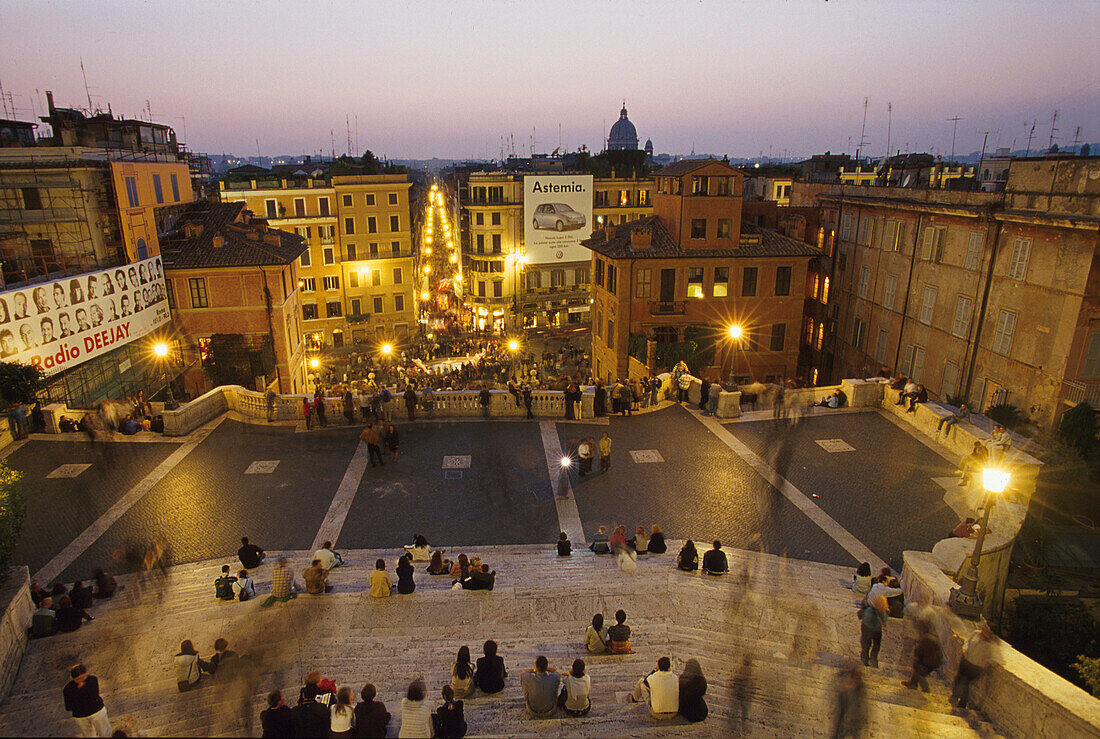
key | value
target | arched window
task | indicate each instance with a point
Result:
(142, 250)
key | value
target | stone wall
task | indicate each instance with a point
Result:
(1018, 695)
(15, 596)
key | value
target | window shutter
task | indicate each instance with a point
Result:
(907, 361)
(926, 247)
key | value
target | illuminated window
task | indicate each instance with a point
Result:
(820, 335)
(695, 282)
(825, 291)
(721, 282)
(809, 331)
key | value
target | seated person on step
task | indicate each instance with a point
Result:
(660, 690)
(714, 561)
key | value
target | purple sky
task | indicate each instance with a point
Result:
(449, 79)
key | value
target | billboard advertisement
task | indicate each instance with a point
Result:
(57, 325)
(557, 216)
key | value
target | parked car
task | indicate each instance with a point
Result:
(557, 216)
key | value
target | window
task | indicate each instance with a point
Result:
(864, 281)
(327, 234)
(328, 254)
(950, 384)
(809, 330)
(353, 279)
(846, 227)
(496, 243)
(698, 228)
(881, 347)
(368, 198)
(610, 332)
(378, 305)
(557, 277)
(612, 278)
(1090, 367)
(372, 225)
(158, 193)
(864, 235)
(912, 363)
(332, 282)
(720, 289)
(496, 219)
(309, 311)
(601, 199)
(695, 282)
(643, 197)
(175, 188)
(349, 226)
(481, 288)
(479, 243)
(332, 309)
(32, 198)
(395, 248)
(171, 293)
(643, 283)
(1017, 264)
(723, 185)
(322, 206)
(397, 275)
(859, 328)
(961, 326)
(395, 223)
(779, 335)
(356, 307)
(598, 324)
(890, 292)
(347, 201)
(132, 193)
(479, 219)
(783, 281)
(825, 291)
(534, 279)
(927, 305)
(351, 252)
(890, 238)
(699, 185)
(498, 289)
(1006, 327)
(376, 277)
(934, 240)
(725, 228)
(399, 303)
(580, 276)
(748, 282)
(309, 284)
(305, 259)
(392, 198)
(820, 335)
(973, 251)
(599, 272)
(198, 292)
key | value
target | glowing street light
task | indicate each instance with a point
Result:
(161, 350)
(387, 349)
(314, 363)
(735, 331)
(427, 269)
(964, 600)
(513, 345)
(424, 295)
(566, 462)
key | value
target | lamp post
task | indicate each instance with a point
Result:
(161, 350)
(964, 600)
(734, 332)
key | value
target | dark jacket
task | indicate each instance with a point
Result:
(715, 563)
(449, 721)
(278, 723)
(311, 719)
(479, 581)
(490, 674)
(405, 584)
(251, 556)
(688, 560)
(692, 705)
(371, 720)
(83, 700)
(657, 544)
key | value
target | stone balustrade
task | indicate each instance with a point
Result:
(15, 597)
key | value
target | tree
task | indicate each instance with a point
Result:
(1078, 429)
(12, 509)
(19, 382)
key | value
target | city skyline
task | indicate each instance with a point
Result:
(470, 80)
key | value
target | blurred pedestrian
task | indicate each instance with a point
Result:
(742, 688)
(693, 688)
(851, 702)
(927, 657)
(978, 651)
(872, 621)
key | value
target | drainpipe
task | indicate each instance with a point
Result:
(908, 288)
(981, 311)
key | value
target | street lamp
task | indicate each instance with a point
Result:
(161, 350)
(734, 332)
(314, 363)
(964, 600)
(387, 349)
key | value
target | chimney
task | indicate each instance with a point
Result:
(49, 101)
(219, 241)
(608, 232)
(641, 238)
(272, 237)
(246, 216)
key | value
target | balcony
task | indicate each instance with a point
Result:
(668, 307)
(1075, 391)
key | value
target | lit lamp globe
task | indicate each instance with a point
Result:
(387, 348)
(735, 332)
(566, 461)
(161, 350)
(424, 295)
(994, 480)
(315, 363)
(513, 345)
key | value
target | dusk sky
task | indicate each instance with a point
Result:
(449, 79)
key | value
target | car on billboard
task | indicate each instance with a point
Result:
(557, 217)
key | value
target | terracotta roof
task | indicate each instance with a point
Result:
(186, 245)
(690, 165)
(760, 242)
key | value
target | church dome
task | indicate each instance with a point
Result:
(623, 134)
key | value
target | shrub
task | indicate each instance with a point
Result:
(1007, 415)
(19, 382)
(12, 509)
(1089, 670)
(956, 400)
(1078, 429)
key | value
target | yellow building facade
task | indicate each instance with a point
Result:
(493, 248)
(139, 188)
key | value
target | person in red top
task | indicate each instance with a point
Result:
(618, 539)
(307, 413)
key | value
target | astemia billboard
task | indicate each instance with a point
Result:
(57, 325)
(557, 215)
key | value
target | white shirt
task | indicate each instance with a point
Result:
(416, 719)
(328, 559)
(341, 723)
(419, 554)
(884, 590)
(584, 451)
(576, 691)
(664, 692)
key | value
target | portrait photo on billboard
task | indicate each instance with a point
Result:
(57, 325)
(557, 214)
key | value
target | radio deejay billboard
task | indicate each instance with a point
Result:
(57, 325)
(557, 215)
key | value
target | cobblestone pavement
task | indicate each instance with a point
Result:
(881, 490)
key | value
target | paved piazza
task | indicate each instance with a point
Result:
(471, 482)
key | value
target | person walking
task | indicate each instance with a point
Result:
(484, 398)
(392, 440)
(528, 399)
(927, 657)
(349, 406)
(427, 399)
(978, 651)
(851, 703)
(410, 401)
(605, 452)
(319, 408)
(83, 701)
(364, 403)
(872, 620)
(307, 413)
(374, 444)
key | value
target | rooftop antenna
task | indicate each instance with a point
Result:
(954, 127)
(347, 125)
(258, 155)
(559, 134)
(862, 140)
(1076, 138)
(357, 135)
(332, 143)
(1053, 120)
(1030, 133)
(4, 101)
(86, 90)
(981, 159)
(889, 126)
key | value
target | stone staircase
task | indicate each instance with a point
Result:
(793, 617)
